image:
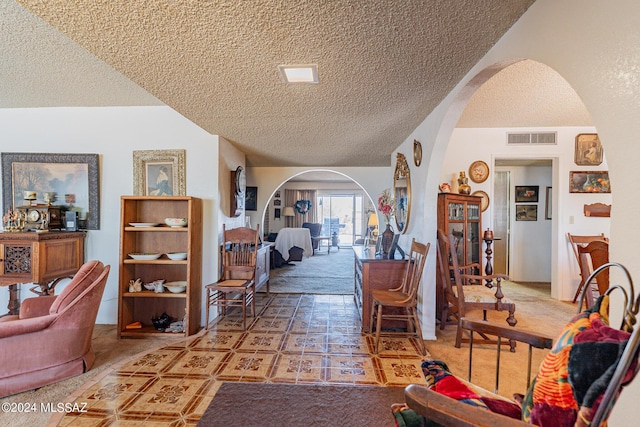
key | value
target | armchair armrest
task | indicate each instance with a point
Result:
(25, 326)
(36, 307)
(449, 412)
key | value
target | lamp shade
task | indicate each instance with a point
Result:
(288, 211)
(373, 220)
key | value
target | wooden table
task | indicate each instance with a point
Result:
(40, 258)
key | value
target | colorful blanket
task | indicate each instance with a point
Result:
(569, 385)
(574, 375)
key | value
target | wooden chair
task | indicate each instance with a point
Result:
(403, 298)
(577, 241)
(465, 292)
(591, 257)
(607, 371)
(237, 286)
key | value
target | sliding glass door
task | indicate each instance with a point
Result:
(341, 214)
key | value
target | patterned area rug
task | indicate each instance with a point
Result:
(303, 405)
(322, 273)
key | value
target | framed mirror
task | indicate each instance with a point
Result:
(402, 193)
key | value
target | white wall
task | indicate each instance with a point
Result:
(114, 133)
(532, 243)
(553, 33)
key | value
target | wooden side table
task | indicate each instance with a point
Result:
(40, 258)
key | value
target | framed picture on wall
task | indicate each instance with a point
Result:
(251, 199)
(276, 202)
(276, 213)
(548, 206)
(526, 212)
(588, 150)
(589, 182)
(74, 180)
(527, 193)
(159, 173)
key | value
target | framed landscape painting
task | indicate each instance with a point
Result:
(74, 179)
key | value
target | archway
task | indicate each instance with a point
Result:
(552, 117)
(350, 202)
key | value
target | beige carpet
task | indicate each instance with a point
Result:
(322, 273)
(535, 311)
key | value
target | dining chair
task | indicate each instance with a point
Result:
(404, 299)
(582, 240)
(466, 292)
(591, 257)
(237, 286)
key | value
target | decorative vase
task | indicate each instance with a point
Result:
(387, 239)
(463, 186)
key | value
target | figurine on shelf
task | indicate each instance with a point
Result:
(135, 285)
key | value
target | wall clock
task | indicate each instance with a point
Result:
(241, 181)
(417, 152)
(479, 171)
(238, 190)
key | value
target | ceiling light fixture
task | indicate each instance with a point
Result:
(299, 73)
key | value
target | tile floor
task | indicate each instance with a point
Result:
(310, 339)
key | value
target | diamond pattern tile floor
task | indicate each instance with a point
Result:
(296, 339)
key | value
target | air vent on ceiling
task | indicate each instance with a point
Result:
(532, 138)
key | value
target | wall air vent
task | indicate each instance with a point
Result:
(532, 138)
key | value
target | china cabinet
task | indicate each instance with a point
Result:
(144, 232)
(460, 215)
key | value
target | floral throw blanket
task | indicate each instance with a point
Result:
(575, 374)
(568, 387)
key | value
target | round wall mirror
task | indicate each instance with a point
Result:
(402, 193)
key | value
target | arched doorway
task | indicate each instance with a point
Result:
(519, 115)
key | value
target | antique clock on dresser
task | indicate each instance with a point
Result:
(41, 217)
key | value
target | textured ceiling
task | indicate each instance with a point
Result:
(383, 66)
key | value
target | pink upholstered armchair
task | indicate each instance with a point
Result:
(50, 340)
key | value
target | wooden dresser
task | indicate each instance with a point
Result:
(263, 266)
(374, 272)
(39, 258)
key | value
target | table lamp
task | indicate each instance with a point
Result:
(288, 211)
(373, 226)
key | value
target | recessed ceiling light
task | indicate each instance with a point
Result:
(299, 73)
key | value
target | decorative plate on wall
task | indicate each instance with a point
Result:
(484, 204)
(479, 171)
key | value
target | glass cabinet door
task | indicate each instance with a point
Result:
(456, 212)
(457, 229)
